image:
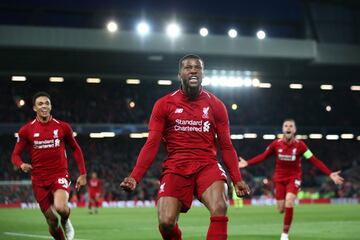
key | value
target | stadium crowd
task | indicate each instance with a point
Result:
(109, 103)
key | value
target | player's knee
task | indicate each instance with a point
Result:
(219, 209)
(61, 208)
(167, 223)
(281, 209)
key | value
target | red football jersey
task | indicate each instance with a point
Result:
(46, 145)
(94, 185)
(288, 158)
(189, 129)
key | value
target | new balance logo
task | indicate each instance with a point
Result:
(179, 110)
(36, 135)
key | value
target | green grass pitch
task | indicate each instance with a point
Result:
(311, 222)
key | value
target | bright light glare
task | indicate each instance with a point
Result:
(232, 33)
(296, 86)
(204, 32)
(18, 78)
(173, 30)
(112, 26)
(164, 82)
(234, 106)
(326, 87)
(261, 34)
(93, 80)
(56, 79)
(143, 28)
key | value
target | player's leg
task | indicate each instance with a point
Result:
(292, 188)
(53, 222)
(280, 194)
(212, 192)
(168, 214)
(175, 195)
(61, 198)
(91, 203)
(215, 200)
(45, 199)
(97, 202)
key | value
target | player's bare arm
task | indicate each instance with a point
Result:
(128, 184)
(242, 189)
(25, 167)
(80, 182)
(337, 179)
(242, 163)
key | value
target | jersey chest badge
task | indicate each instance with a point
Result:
(206, 112)
(56, 133)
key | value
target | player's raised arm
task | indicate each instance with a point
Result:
(258, 158)
(335, 176)
(242, 163)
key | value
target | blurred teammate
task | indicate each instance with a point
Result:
(187, 121)
(45, 138)
(287, 176)
(95, 190)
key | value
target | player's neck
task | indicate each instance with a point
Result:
(191, 92)
(43, 119)
(288, 140)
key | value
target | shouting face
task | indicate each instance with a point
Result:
(191, 75)
(289, 129)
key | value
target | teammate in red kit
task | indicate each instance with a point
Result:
(45, 138)
(287, 176)
(95, 191)
(188, 121)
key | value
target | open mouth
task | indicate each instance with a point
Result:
(193, 79)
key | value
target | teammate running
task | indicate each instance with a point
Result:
(287, 176)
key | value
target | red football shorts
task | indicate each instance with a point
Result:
(94, 194)
(284, 186)
(185, 187)
(44, 192)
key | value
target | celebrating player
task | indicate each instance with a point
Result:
(45, 138)
(94, 190)
(187, 121)
(287, 176)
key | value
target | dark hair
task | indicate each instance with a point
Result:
(189, 56)
(290, 120)
(40, 94)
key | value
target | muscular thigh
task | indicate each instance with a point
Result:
(178, 187)
(44, 193)
(207, 176)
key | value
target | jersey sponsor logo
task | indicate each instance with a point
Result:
(56, 133)
(206, 112)
(36, 135)
(48, 143)
(206, 127)
(284, 157)
(191, 125)
(179, 110)
(162, 188)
